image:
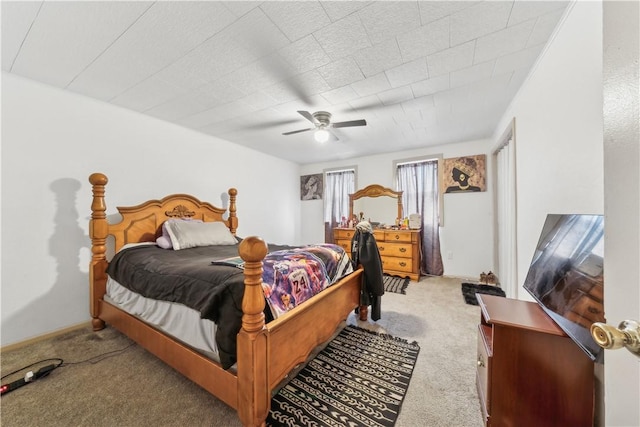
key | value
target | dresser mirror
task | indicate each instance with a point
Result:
(378, 204)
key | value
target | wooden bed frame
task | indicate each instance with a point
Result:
(267, 353)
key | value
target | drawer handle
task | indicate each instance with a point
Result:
(480, 361)
(403, 250)
(381, 248)
(397, 236)
(593, 310)
(403, 264)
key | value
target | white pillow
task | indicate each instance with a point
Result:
(164, 241)
(189, 234)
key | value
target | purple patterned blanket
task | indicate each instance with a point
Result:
(291, 277)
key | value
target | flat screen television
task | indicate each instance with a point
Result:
(566, 276)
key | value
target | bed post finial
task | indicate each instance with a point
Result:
(98, 229)
(252, 250)
(98, 224)
(253, 385)
(233, 219)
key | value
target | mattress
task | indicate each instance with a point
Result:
(174, 319)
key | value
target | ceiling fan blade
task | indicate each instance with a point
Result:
(266, 125)
(349, 123)
(297, 131)
(307, 115)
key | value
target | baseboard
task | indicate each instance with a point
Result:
(463, 278)
(44, 336)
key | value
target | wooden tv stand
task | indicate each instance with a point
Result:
(529, 372)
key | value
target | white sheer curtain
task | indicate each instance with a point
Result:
(506, 218)
(419, 183)
(338, 186)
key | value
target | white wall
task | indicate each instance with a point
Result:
(53, 140)
(558, 131)
(468, 217)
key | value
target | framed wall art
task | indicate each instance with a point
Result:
(464, 174)
(311, 187)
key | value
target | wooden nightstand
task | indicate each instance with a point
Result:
(529, 372)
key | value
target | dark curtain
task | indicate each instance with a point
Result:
(338, 186)
(419, 183)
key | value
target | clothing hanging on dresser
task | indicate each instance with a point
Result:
(364, 251)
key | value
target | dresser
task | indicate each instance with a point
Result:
(399, 250)
(529, 372)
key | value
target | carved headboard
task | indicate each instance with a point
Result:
(142, 223)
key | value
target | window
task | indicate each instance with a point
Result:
(418, 180)
(338, 185)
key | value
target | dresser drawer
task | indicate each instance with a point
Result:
(483, 360)
(343, 234)
(346, 245)
(397, 236)
(401, 250)
(397, 264)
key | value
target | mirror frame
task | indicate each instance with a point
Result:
(375, 190)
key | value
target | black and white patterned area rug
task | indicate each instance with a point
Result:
(469, 291)
(359, 379)
(395, 284)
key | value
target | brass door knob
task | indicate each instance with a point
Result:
(627, 335)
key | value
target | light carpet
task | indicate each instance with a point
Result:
(123, 385)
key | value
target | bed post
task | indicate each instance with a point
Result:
(253, 392)
(233, 219)
(98, 227)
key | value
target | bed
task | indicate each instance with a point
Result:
(266, 352)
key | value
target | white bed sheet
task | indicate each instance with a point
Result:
(179, 321)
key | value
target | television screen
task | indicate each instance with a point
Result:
(566, 275)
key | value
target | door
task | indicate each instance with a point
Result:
(621, 203)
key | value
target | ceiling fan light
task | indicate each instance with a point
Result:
(321, 135)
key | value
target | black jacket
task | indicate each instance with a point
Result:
(364, 251)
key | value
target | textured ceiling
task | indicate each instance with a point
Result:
(419, 72)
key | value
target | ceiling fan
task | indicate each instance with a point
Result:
(322, 123)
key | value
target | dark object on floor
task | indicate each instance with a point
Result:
(469, 291)
(395, 284)
(345, 385)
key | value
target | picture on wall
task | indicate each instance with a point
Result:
(464, 174)
(311, 187)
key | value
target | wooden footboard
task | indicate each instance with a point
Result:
(266, 353)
